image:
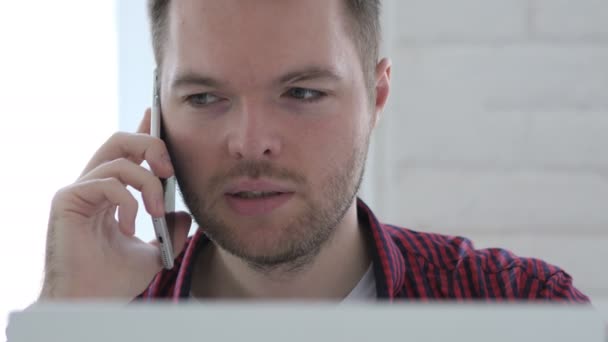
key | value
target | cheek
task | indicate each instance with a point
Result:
(193, 149)
(324, 146)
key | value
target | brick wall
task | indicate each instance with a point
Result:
(497, 127)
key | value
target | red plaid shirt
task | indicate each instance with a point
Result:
(418, 266)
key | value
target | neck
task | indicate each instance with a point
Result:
(330, 274)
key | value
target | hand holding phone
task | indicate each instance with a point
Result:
(160, 223)
(91, 252)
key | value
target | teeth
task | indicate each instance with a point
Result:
(255, 194)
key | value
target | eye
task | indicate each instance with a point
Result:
(202, 99)
(306, 95)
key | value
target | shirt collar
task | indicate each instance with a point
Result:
(388, 260)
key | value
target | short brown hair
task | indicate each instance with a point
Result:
(364, 25)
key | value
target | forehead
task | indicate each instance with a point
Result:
(253, 38)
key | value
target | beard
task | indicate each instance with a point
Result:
(292, 243)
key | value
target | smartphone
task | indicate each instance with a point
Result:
(160, 223)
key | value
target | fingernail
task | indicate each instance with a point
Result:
(167, 161)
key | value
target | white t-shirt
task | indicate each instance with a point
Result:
(365, 288)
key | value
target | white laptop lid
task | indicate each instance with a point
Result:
(306, 322)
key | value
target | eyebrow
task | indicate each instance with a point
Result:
(309, 73)
(190, 78)
(194, 79)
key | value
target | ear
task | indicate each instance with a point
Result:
(383, 84)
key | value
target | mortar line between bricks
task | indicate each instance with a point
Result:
(530, 19)
(541, 40)
(539, 231)
(497, 167)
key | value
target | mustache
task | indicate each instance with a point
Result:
(255, 170)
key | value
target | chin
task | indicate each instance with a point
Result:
(270, 240)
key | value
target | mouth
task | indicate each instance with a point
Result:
(255, 194)
(257, 199)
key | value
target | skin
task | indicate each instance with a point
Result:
(252, 122)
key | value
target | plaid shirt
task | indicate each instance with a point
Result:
(417, 266)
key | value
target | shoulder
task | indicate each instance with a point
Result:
(450, 252)
(453, 267)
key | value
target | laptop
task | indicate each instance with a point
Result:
(306, 322)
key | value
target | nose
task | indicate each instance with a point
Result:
(252, 135)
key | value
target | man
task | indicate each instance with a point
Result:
(268, 107)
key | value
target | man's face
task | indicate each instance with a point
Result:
(267, 119)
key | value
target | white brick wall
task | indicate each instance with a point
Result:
(474, 198)
(444, 20)
(497, 127)
(580, 19)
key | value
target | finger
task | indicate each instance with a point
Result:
(129, 173)
(179, 226)
(90, 197)
(144, 125)
(137, 148)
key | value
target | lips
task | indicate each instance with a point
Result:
(259, 197)
(255, 194)
(256, 186)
